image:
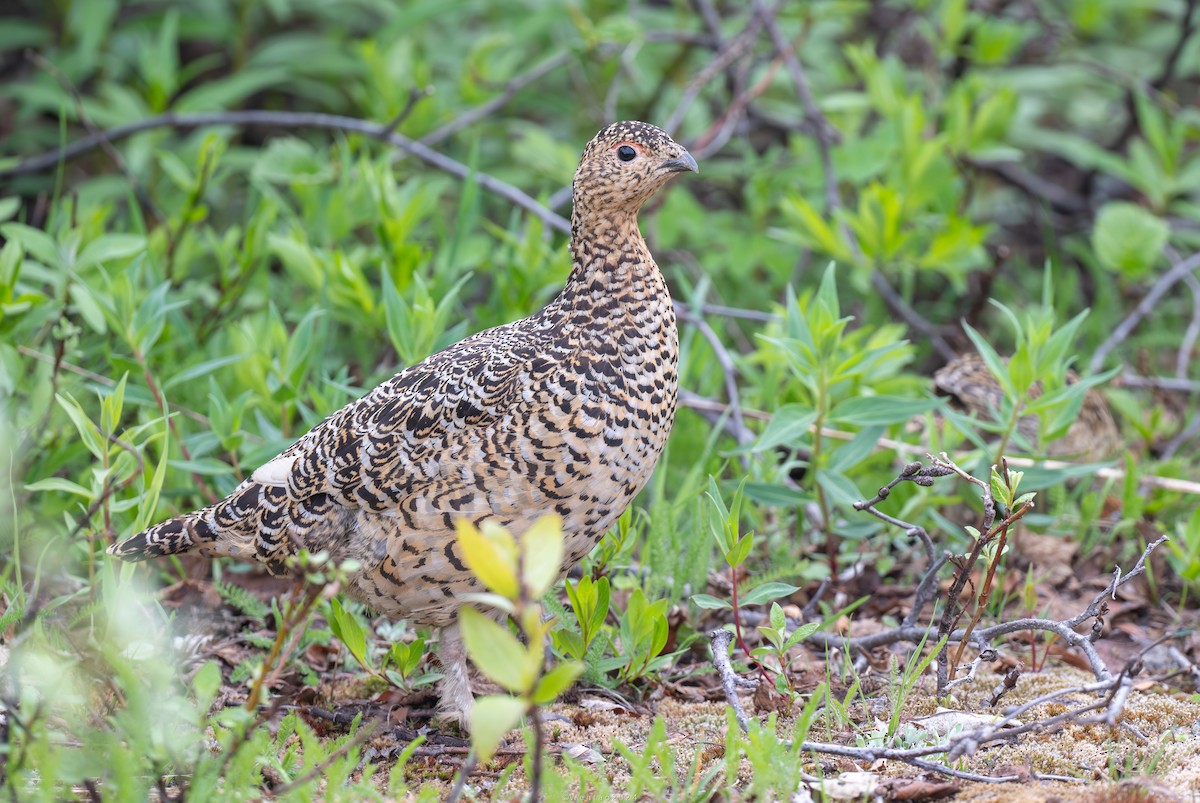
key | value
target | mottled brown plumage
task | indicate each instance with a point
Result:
(564, 412)
(972, 388)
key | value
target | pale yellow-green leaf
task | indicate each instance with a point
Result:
(496, 601)
(556, 681)
(542, 554)
(491, 556)
(497, 653)
(493, 717)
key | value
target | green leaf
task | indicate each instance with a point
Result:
(206, 683)
(871, 410)
(11, 256)
(994, 361)
(777, 495)
(35, 241)
(58, 484)
(493, 717)
(1128, 238)
(740, 550)
(556, 681)
(848, 455)
(812, 228)
(109, 247)
(348, 630)
(800, 634)
(154, 490)
(600, 609)
(709, 602)
(542, 554)
(778, 620)
(789, 426)
(203, 369)
(771, 635)
(89, 308)
(766, 592)
(497, 653)
(111, 406)
(841, 487)
(83, 425)
(224, 93)
(568, 642)
(9, 206)
(491, 554)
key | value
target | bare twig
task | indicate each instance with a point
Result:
(984, 656)
(734, 312)
(1171, 383)
(927, 590)
(910, 316)
(822, 130)
(1147, 305)
(982, 636)
(704, 404)
(110, 487)
(728, 53)
(722, 129)
(1186, 29)
(1186, 435)
(719, 640)
(262, 117)
(460, 783)
(736, 421)
(1183, 355)
(1033, 185)
(914, 473)
(415, 95)
(293, 615)
(514, 85)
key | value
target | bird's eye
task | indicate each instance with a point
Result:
(626, 153)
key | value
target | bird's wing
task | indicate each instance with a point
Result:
(416, 434)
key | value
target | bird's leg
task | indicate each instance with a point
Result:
(455, 690)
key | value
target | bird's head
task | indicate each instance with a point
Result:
(624, 165)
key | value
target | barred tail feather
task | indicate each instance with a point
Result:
(171, 537)
(224, 528)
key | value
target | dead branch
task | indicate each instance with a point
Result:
(719, 640)
(728, 53)
(263, 117)
(1173, 484)
(1183, 355)
(1147, 305)
(1171, 383)
(915, 473)
(511, 88)
(737, 423)
(909, 633)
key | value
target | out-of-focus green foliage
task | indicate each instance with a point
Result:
(180, 304)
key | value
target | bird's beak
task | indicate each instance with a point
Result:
(680, 163)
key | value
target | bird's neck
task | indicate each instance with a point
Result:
(612, 273)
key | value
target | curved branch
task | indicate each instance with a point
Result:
(262, 117)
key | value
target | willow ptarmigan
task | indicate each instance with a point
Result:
(563, 412)
(972, 388)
